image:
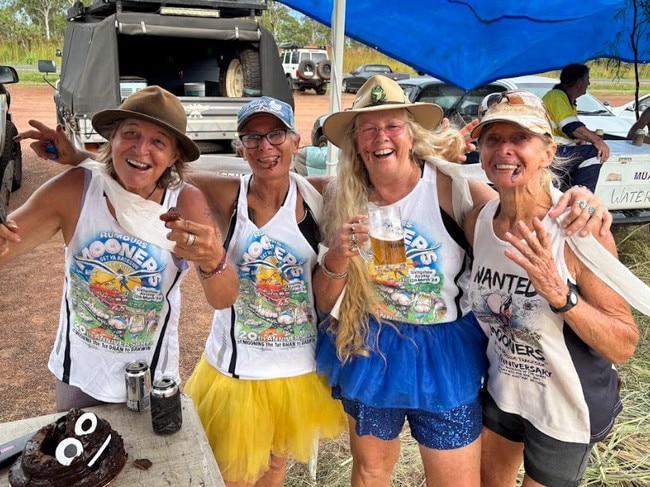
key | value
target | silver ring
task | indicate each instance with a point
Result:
(353, 248)
(582, 204)
(352, 228)
(191, 238)
(591, 210)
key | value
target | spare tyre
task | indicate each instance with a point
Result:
(307, 69)
(240, 76)
(324, 69)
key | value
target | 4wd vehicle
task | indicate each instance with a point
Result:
(307, 67)
(212, 54)
(9, 150)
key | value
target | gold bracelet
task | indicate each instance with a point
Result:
(329, 274)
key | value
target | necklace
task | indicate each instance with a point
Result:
(152, 192)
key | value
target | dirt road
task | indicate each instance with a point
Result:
(31, 285)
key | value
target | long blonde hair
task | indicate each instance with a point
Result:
(348, 196)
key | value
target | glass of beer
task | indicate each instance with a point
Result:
(386, 236)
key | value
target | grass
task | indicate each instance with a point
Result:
(623, 460)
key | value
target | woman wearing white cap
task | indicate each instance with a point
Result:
(554, 328)
(401, 345)
(123, 265)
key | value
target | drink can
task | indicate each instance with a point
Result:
(166, 413)
(639, 135)
(138, 386)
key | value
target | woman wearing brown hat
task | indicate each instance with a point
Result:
(123, 264)
(554, 327)
(401, 343)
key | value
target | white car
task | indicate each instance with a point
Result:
(456, 102)
(628, 112)
(591, 111)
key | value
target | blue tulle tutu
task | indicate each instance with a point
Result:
(428, 367)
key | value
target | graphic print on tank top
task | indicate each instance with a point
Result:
(273, 308)
(508, 308)
(413, 293)
(116, 286)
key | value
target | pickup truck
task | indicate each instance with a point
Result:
(212, 54)
(353, 80)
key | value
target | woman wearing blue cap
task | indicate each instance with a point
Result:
(255, 386)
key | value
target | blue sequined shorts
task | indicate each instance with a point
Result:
(445, 430)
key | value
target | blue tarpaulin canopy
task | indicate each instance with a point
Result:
(472, 42)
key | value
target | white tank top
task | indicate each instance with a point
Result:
(270, 332)
(538, 367)
(121, 302)
(428, 292)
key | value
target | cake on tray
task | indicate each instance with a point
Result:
(77, 450)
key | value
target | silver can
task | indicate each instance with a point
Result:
(138, 386)
(639, 135)
(166, 413)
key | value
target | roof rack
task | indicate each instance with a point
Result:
(225, 8)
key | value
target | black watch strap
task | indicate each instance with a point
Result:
(571, 300)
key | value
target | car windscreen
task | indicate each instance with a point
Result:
(590, 105)
(586, 104)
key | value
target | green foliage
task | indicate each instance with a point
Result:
(29, 52)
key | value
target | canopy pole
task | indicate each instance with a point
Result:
(338, 44)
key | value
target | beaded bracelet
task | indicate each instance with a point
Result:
(329, 274)
(217, 270)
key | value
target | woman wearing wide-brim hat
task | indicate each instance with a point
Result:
(401, 344)
(123, 264)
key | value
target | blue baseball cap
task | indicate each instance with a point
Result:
(265, 104)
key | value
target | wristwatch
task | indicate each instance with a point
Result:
(571, 301)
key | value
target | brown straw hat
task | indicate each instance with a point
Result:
(155, 105)
(379, 93)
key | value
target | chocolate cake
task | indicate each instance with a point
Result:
(77, 450)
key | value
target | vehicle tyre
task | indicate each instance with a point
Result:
(307, 69)
(344, 86)
(322, 89)
(324, 69)
(231, 79)
(12, 152)
(250, 62)
(240, 76)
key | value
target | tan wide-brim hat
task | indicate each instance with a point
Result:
(153, 104)
(376, 94)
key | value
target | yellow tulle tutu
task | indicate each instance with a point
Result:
(246, 420)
